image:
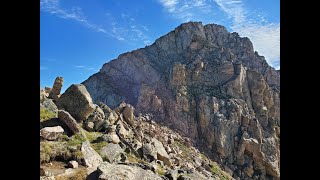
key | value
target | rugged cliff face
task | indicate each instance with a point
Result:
(208, 84)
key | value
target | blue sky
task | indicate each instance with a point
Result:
(78, 36)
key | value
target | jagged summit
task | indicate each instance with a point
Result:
(212, 39)
(208, 84)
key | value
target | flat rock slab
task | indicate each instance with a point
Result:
(51, 133)
(113, 171)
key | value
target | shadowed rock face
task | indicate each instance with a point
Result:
(208, 84)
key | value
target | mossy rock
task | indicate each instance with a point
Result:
(60, 150)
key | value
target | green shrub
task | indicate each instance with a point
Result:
(45, 152)
(132, 158)
(91, 136)
(77, 155)
(76, 140)
(57, 150)
(186, 151)
(215, 170)
(63, 137)
(46, 114)
(99, 145)
(160, 170)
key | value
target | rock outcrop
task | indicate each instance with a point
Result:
(54, 93)
(209, 85)
(96, 120)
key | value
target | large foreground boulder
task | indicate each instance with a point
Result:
(109, 171)
(77, 101)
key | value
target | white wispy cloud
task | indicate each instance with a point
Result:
(53, 7)
(126, 28)
(234, 9)
(79, 66)
(186, 10)
(264, 36)
(170, 5)
(92, 69)
(84, 68)
(121, 30)
(265, 39)
(43, 68)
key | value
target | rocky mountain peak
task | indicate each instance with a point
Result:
(207, 84)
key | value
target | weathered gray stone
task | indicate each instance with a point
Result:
(51, 133)
(123, 132)
(49, 104)
(112, 152)
(97, 117)
(105, 108)
(109, 171)
(47, 178)
(77, 101)
(128, 114)
(149, 152)
(89, 126)
(172, 174)
(111, 137)
(55, 91)
(73, 164)
(161, 152)
(113, 117)
(91, 158)
(65, 117)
